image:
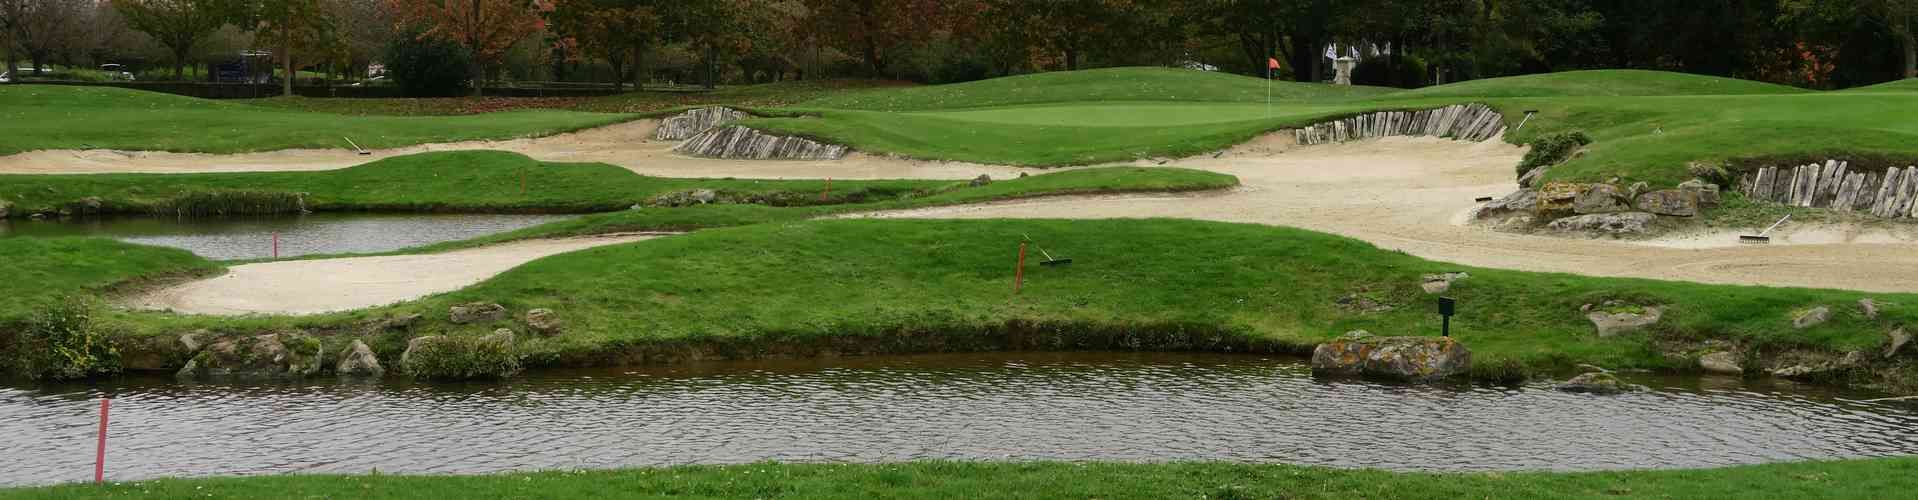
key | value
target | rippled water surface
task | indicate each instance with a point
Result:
(252, 237)
(1021, 406)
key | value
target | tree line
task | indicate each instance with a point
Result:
(1407, 43)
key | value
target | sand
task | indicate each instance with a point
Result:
(328, 285)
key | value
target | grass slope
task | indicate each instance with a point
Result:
(40, 271)
(655, 101)
(1598, 83)
(1095, 85)
(1881, 478)
(453, 181)
(70, 117)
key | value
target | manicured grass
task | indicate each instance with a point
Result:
(1096, 85)
(41, 271)
(1599, 83)
(69, 117)
(1880, 478)
(453, 181)
(654, 101)
(1905, 85)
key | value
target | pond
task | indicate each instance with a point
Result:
(991, 406)
(233, 238)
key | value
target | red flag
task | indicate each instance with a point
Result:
(1271, 63)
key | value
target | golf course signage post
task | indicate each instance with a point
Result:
(1447, 307)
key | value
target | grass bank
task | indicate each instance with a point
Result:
(34, 117)
(1881, 478)
(42, 271)
(809, 288)
(650, 102)
(454, 181)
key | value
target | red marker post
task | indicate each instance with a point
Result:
(1019, 273)
(100, 454)
(823, 195)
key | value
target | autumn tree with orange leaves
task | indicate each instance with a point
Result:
(486, 28)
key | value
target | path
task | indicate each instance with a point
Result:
(327, 285)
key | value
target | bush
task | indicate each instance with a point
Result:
(464, 358)
(62, 342)
(1378, 71)
(428, 67)
(1551, 149)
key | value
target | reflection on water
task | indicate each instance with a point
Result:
(995, 406)
(229, 238)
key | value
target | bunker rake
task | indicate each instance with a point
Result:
(1049, 262)
(1763, 236)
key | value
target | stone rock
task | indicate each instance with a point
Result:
(91, 204)
(1869, 308)
(416, 344)
(1814, 317)
(1601, 199)
(1706, 193)
(151, 353)
(1519, 203)
(358, 360)
(1557, 197)
(1895, 342)
(1615, 225)
(476, 312)
(1531, 178)
(502, 336)
(1610, 324)
(1418, 359)
(1363, 304)
(1669, 202)
(192, 341)
(981, 180)
(1820, 368)
(1720, 362)
(288, 355)
(1440, 283)
(1597, 383)
(705, 196)
(544, 322)
(390, 324)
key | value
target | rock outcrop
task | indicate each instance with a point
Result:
(1597, 383)
(1811, 317)
(1469, 122)
(981, 180)
(1601, 199)
(1613, 323)
(695, 121)
(1615, 225)
(741, 143)
(1721, 362)
(544, 322)
(1440, 283)
(1895, 341)
(288, 355)
(476, 312)
(1869, 308)
(1672, 202)
(358, 361)
(1838, 186)
(1418, 359)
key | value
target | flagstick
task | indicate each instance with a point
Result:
(1268, 91)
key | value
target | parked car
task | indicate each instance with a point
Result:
(370, 81)
(6, 77)
(116, 72)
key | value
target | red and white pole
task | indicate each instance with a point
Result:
(1019, 273)
(100, 453)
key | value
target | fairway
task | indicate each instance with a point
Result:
(1142, 114)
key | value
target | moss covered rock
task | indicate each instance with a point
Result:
(444, 357)
(274, 355)
(1417, 359)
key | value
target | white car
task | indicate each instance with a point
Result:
(6, 77)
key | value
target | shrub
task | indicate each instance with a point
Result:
(428, 67)
(464, 358)
(61, 342)
(224, 203)
(1379, 71)
(1551, 149)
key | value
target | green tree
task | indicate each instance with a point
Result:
(292, 24)
(178, 25)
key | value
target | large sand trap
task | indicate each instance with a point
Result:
(1413, 194)
(326, 285)
(629, 145)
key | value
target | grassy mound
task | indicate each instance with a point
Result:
(1097, 85)
(453, 181)
(68, 117)
(41, 272)
(1598, 83)
(1880, 478)
(1905, 85)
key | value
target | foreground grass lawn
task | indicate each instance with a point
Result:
(36, 117)
(1882, 478)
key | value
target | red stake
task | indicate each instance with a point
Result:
(100, 455)
(823, 195)
(1019, 273)
(276, 244)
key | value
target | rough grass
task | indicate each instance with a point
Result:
(1878, 478)
(36, 117)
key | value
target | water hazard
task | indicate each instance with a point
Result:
(252, 237)
(1010, 406)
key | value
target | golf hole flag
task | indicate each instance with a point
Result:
(1271, 63)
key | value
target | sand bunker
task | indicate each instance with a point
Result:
(327, 285)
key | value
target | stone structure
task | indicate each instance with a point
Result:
(1417, 359)
(1470, 122)
(693, 122)
(1837, 186)
(741, 143)
(290, 355)
(1342, 70)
